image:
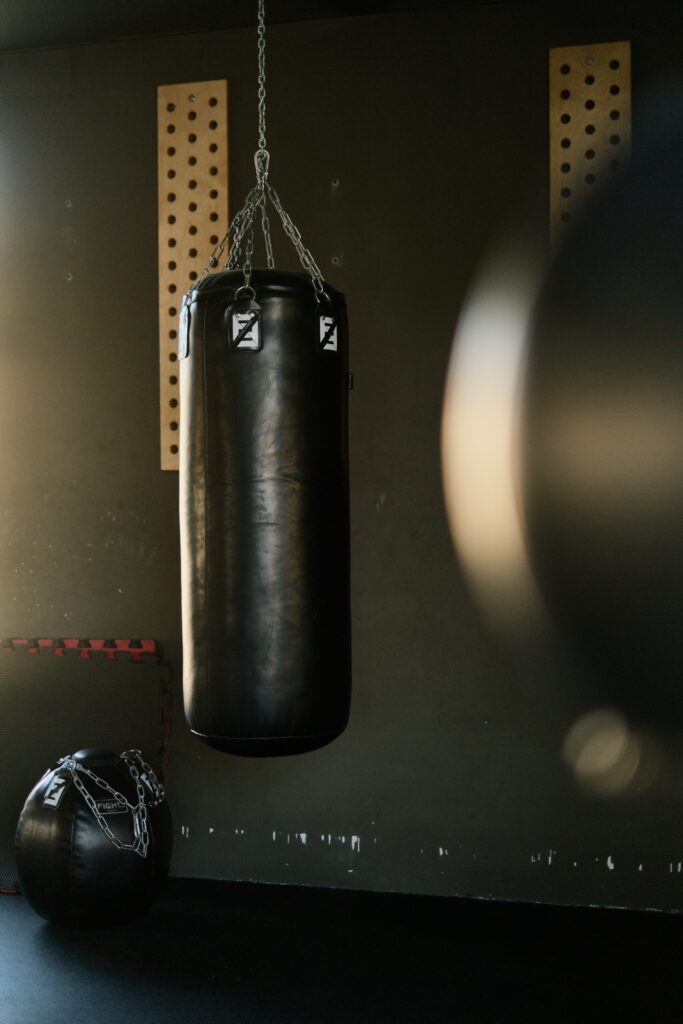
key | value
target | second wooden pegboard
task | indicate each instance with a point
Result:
(192, 133)
(590, 122)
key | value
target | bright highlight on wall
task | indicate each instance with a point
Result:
(480, 438)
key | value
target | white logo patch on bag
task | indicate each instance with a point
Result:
(246, 329)
(55, 792)
(328, 333)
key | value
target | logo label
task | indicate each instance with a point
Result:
(328, 333)
(246, 330)
(110, 807)
(55, 792)
(184, 332)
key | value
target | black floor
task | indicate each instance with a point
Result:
(251, 954)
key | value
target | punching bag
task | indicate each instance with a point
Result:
(94, 839)
(264, 512)
(602, 459)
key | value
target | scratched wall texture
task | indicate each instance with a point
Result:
(449, 778)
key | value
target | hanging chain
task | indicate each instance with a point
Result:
(262, 76)
(239, 238)
(148, 790)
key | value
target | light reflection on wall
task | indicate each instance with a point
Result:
(480, 438)
(602, 751)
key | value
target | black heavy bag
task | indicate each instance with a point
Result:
(264, 513)
(94, 839)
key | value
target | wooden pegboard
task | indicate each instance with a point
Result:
(590, 123)
(192, 130)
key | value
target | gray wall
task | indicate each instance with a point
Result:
(449, 778)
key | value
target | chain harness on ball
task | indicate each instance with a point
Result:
(239, 238)
(148, 790)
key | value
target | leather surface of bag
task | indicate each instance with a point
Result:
(264, 513)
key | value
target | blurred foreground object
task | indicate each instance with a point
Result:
(563, 463)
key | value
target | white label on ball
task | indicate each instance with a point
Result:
(55, 792)
(111, 807)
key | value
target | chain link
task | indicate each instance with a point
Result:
(294, 235)
(239, 238)
(265, 227)
(143, 778)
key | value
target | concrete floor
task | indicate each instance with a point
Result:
(253, 954)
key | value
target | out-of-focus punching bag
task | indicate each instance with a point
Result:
(602, 411)
(264, 513)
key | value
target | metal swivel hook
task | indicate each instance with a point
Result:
(261, 162)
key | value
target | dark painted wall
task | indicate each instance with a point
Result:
(449, 778)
